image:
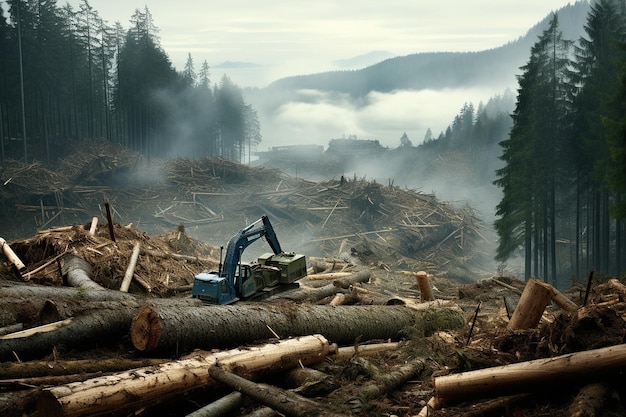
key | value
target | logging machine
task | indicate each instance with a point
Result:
(269, 274)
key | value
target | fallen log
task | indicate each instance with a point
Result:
(313, 294)
(31, 369)
(530, 376)
(149, 385)
(184, 328)
(99, 327)
(285, 402)
(78, 273)
(590, 401)
(389, 381)
(310, 382)
(221, 407)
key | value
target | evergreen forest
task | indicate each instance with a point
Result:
(68, 75)
(563, 176)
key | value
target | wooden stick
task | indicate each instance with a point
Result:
(28, 274)
(130, 269)
(94, 224)
(110, 220)
(11, 256)
(469, 336)
(40, 329)
(589, 281)
(539, 374)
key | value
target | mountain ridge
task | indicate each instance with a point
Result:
(439, 69)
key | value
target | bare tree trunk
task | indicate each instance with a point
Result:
(149, 385)
(530, 376)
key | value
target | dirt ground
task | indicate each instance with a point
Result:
(180, 212)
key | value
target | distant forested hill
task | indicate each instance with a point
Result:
(497, 66)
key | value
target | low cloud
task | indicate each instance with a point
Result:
(315, 117)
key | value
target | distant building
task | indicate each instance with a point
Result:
(292, 153)
(348, 148)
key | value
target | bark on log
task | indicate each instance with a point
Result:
(146, 386)
(311, 382)
(496, 407)
(32, 369)
(78, 272)
(262, 412)
(11, 328)
(101, 327)
(183, 329)
(221, 407)
(530, 376)
(390, 381)
(530, 306)
(285, 402)
(590, 401)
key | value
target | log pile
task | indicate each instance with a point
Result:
(99, 320)
(353, 218)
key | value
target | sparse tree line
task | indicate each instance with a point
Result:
(66, 75)
(564, 172)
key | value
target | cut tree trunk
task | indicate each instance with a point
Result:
(530, 306)
(531, 376)
(100, 327)
(426, 289)
(149, 385)
(184, 328)
(285, 402)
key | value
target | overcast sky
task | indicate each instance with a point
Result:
(301, 37)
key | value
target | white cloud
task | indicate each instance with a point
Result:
(319, 117)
